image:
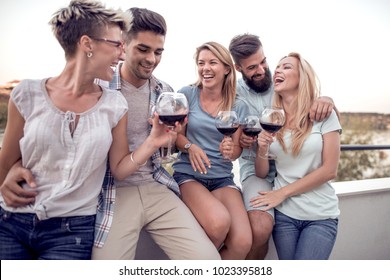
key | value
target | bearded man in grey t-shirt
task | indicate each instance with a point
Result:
(256, 89)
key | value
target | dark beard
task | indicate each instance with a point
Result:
(260, 86)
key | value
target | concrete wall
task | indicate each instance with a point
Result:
(364, 224)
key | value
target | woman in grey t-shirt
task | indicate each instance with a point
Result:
(205, 179)
(306, 205)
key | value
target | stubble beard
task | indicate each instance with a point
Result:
(259, 86)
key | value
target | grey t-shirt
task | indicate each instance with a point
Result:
(321, 202)
(201, 131)
(137, 129)
(256, 103)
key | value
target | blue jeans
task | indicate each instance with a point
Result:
(24, 237)
(303, 240)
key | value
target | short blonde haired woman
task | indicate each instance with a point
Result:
(63, 128)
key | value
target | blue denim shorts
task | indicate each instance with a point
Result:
(210, 184)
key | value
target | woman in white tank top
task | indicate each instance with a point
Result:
(64, 128)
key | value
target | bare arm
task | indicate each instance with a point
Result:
(10, 152)
(122, 162)
(231, 147)
(198, 158)
(262, 164)
(322, 108)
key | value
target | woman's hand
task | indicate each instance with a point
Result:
(263, 141)
(246, 141)
(13, 194)
(160, 133)
(226, 147)
(198, 158)
(268, 200)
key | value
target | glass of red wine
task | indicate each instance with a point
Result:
(227, 123)
(272, 120)
(171, 107)
(251, 127)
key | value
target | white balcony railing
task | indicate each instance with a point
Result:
(364, 225)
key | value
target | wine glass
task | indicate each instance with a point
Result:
(227, 123)
(272, 120)
(171, 107)
(251, 127)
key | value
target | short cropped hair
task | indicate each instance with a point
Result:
(145, 20)
(243, 46)
(84, 17)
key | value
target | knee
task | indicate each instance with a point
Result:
(217, 229)
(239, 245)
(243, 244)
(261, 229)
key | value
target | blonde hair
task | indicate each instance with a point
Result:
(308, 90)
(229, 85)
(84, 17)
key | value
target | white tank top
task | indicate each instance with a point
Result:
(69, 169)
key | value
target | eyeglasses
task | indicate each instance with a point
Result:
(116, 44)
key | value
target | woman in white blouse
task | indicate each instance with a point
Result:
(63, 128)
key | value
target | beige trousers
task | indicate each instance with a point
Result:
(167, 219)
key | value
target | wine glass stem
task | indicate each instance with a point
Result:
(169, 152)
(227, 158)
(250, 152)
(267, 152)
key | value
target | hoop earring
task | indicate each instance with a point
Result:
(89, 55)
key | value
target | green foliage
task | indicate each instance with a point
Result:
(358, 165)
(3, 115)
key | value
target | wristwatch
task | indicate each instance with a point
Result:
(187, 146)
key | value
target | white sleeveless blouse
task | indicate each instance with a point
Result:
(69, 169)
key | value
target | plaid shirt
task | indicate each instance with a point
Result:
(105, 211)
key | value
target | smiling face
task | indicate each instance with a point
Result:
(286, 76)
(143, 54)
(211, 70)
(107, 52)
(255, 71)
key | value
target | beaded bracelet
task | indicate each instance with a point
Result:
(132, 159)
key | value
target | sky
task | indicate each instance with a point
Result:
(346, 41)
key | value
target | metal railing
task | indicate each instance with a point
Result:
(349, 147)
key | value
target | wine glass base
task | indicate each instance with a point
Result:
(169, 159)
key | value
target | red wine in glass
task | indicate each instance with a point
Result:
(171, 107)
(272, 120)
(251, 127)
(271, 128)
(170, 120)
(251, 132)
(228, 131)
(227, 123)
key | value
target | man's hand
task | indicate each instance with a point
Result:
(13, 194)
(321, 108)
(246, 142)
